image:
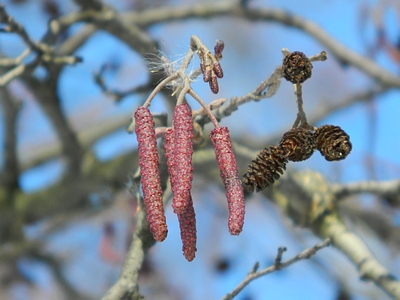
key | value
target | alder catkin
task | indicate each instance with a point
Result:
(186, 218)
(230, 176)
(187, 225)
(183, 145)
(149, 173)
(265, 168)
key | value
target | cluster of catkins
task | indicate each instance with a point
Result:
(299, 143)
(210, 67)
(178, 150)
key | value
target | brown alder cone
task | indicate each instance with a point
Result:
(265, 169)
(187, 218)
(230, 176)
(333, 142)
(296, 67)
(149, 173)
(298, 144)
(183, 145)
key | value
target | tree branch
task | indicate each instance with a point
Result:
(233, 9)
(278, 265)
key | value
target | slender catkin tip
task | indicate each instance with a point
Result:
(298, 144)
(265, 168)
(187, 217)
(296, 67)
(183, 144)
(227, 164)
(149, 173)
(333, 142)
(187, 225)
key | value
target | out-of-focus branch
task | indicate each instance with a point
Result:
(369, 268)
(307, 199)
(45, 53)
(389, 190)
(127, 286)
(46, 94)
(10, 172)
(324, 109)
(234, 9)
(278, 265)
(15, 27)
(118, 95)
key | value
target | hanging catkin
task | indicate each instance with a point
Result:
(186, 218)
(183, 145)
(149, 173)
(229, 174)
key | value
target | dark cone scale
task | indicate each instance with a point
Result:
(296, 67)
(265, 169)
(333, 142)
(298, 144)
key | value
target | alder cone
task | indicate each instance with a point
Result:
(183, 145)
(333, 142)
(229, 173)
(265, 169)
(296, 67)
(149, 173)
(298, 144)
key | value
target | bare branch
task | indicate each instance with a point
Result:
(389, 190)
(118, 95)
(10, 172)
(233, 8)
(278, 265)
(370, 269)
(127, 286)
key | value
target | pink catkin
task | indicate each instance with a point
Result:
(230, 176)
(187, 218)
(183, 145)
(149, 173)
(187, 225)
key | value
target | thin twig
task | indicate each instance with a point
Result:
(307, 253)
(301, 115)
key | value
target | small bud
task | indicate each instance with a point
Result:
(296, 67)
(218, 48)
(214, 84)
(333, 142)
(183, 143)
(207, 75)
(218, 70)
(149, 173)
(265, 169)
(298, 144)
(230, 176)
